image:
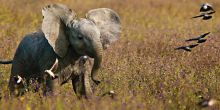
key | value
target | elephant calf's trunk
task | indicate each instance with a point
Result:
(97, 61)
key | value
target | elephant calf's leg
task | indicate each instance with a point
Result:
(78, 87)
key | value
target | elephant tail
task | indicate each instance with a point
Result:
(6, 62)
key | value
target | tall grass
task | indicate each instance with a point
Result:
(142, 67)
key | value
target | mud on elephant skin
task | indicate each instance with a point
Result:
(65, 37)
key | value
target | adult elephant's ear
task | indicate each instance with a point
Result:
(56, 18)
(108, 23)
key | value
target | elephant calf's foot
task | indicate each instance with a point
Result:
(53, 68)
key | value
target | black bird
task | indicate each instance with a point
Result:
(200, 39)
(206, 7)
(187, 48)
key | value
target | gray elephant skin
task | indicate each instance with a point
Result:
(67, 38)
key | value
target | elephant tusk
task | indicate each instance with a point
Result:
(50, 73)
(53, 68)
(55, 65)
(85, 57)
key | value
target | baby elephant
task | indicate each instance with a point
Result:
(57, 49)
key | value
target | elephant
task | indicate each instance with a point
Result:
(65, 38)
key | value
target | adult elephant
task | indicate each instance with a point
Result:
(66, 38)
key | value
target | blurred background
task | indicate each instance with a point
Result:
(142, 68)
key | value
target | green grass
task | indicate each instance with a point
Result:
(142, 67)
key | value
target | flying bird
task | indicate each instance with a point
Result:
(206, 11)
(200, 38)
(206, 7)
(187, 48)
(205, 15)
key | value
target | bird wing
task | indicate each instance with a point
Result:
(182, 47)
(186, 48)
(203, 35)
(210, 13)
(193, 45)
(198, 16)
(193, 39)
(207, 17)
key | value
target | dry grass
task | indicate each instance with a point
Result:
(142, 68)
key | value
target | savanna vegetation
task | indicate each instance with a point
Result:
(142, 68)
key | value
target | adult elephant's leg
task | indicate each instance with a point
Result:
(49, 78)
(17, 85)
(46, 62)
(11, 86)
(48, 85)
(17, 71)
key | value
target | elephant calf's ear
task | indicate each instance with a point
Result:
(55, 21)
(108, 23)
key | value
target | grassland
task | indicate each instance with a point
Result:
(142, 67)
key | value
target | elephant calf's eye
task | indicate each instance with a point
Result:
(80, 37)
